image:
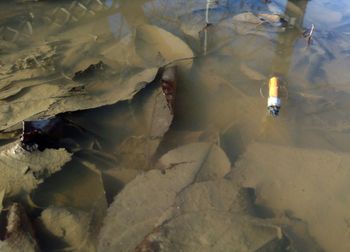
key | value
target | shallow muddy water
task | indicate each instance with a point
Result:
(294, 167)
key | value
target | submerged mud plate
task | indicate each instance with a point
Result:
(20, 234)
(22, 171)
(291, 182)
(187, 207)
(274, 101)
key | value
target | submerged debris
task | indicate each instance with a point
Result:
(168, 83)
(308, 33)
(210, 4)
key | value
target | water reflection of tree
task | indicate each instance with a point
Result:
(284, 51)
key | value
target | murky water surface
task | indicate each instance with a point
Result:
(297, 163)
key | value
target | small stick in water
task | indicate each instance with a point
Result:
(210, 4)
(308, 34)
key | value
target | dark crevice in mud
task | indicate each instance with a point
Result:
(257, 210)
(263, 212)
(90, 72)
(233, 144)
(53, 133)
(9, 138)
(95, 122)
(113, 187)
(49, 242)
(3, 223)
(42, 134)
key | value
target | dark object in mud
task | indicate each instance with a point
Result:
(77, 89)
(19, 231)
(274, 110)
(168, 83)
(55, 133)
(89, 71)
(39, 134)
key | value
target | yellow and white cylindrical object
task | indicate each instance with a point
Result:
(274, 100)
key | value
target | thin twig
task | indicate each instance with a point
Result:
(210, 4)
